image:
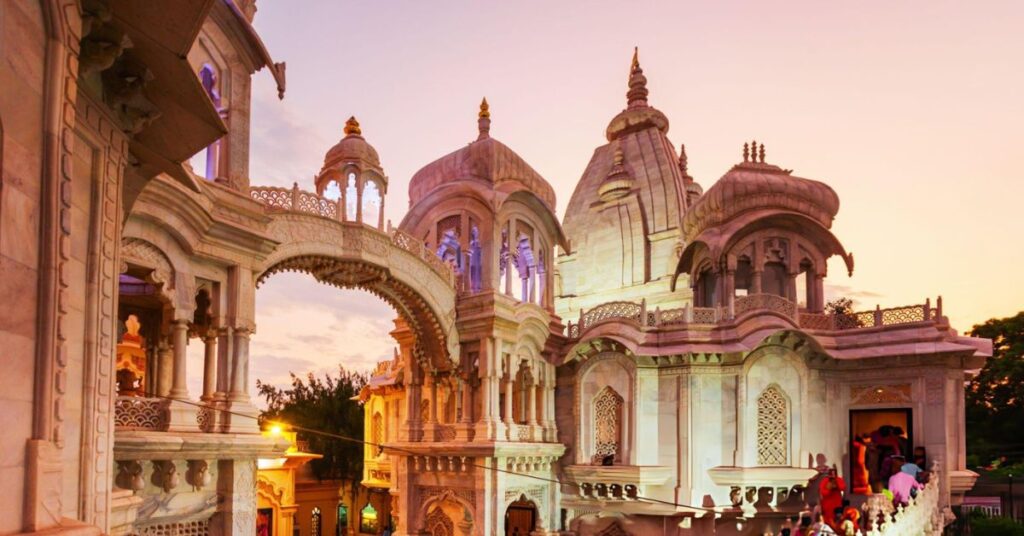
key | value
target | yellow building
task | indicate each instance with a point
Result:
(275, 486)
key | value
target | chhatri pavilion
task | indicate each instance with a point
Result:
(663, 360)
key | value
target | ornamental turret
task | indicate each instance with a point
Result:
(352, 176)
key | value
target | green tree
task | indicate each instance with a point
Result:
(995, 398)
(325, 404)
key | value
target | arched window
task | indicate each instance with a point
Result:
(342, 525)
(332, 191)
(608, 424)
(205, 162)
(371, 203)
(368, 520)
(315, 522)
(772, 427)
(351, 198)
(707, 288)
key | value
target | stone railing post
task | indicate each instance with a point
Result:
(657, 316)
(927, 309)
(295, 196)
(687, 313)
(878, 315)
(938, 307)
(643, 312)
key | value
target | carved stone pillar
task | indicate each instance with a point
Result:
(467, 402)
(243, 417)
(240, 366)
(225, 351)
(179, 334)
(531, 402)
(209, 366)
(165, 368)
(433, 400)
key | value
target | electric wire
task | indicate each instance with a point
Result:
(409, 452)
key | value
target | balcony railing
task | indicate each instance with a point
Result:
(637, 313)
(138, 413)
(922, 515)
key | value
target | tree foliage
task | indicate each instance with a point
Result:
(995, 398)
(324, 404)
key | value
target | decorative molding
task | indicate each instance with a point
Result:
(898, 393)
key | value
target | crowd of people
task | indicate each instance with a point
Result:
(882, 464)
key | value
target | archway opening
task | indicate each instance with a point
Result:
(520, 518)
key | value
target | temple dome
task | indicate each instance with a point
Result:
(753, 185)
(485, 160)
(353, 148)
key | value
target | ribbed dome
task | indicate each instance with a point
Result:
(756, 186)
(487, 160)
(352, 148)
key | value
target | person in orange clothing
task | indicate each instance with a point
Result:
(830, 491)
(861, 485)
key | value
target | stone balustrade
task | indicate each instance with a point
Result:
(638, 314)
(923, 515)
(615, 482)
(138, 413)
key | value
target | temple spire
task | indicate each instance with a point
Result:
(484, 120)
(636, 97)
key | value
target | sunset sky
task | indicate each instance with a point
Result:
(911, 111)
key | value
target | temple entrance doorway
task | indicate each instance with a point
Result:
(877, 437)
(520, 518)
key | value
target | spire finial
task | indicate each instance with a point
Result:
(352, 127)
(636, 97)
(760, 154)
(484, 120)
(683, 163)
(746, 151)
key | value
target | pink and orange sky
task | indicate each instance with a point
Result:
(911, 111)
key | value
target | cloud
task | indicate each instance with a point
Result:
(861, 298)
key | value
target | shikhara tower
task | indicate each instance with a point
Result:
(664, 365)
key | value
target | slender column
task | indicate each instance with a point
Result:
(225, 352)
(179, 331)
(359, 199)
(240, 366)
(166, 368)
(380, 216)
(467, 402)
(531, 402)
(509, 387)
(209, 366)
(755, 282)
(433, 399)
(508, 261)
(819, 293)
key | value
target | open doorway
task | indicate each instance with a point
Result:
(877, 436)
(520, 518)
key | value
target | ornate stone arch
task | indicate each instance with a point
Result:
(275, 495)
(448, 502)
(146, 255)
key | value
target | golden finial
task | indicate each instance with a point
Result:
(352, 127)
(636, 59)
(485, 109)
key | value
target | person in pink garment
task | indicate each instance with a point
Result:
(901, 483)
